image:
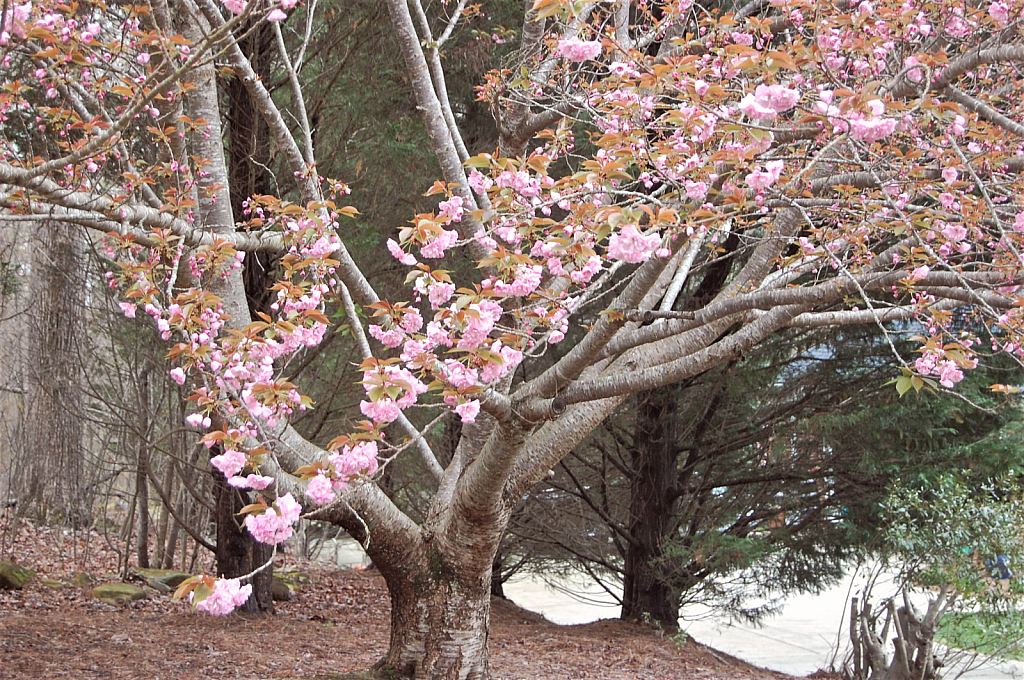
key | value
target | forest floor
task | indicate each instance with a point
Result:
(336, 623)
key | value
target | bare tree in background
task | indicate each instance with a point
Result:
(50, 467)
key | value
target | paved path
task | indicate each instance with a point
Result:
(799, 641)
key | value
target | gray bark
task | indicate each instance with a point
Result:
(51, 475)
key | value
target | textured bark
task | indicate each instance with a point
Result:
(439, 620)
(646, 596)
(51, 475)
(249, 147)
(912, 638)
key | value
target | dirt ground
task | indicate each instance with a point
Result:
(337, 623)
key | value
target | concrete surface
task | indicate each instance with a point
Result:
(799, 641)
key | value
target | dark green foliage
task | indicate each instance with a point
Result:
(777, 470)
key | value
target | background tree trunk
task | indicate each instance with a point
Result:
(237, 553)
(142, 470)
(53, 484)
(645, 595)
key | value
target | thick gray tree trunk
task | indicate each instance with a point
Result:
(439, 621)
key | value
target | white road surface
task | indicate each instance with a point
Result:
(798, 641)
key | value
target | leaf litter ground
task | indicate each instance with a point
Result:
(337, 623)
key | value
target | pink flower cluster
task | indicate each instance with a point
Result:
(873, 127)
(480, 182)
(869, 127)
(629, 245)
(445, 239)
(768, 101)
(526, 280)
(1000, 11)
(230, 463)
(762, 179)
(384, 409)
(935, 362)
(275, 525)
(479, 323)
(14, 22)
(227, 596)
(452, 208)
(396, 251)
(575, 49)
(353, 460)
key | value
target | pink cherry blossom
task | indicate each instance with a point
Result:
(479, 324)
(575, 49)
(178, 375)
(479, 182)
(230, 463)
(276, 15)
(352, 461)
(275, 524)
(452, 208)
(768, 101)
(696, 190)
(526, 281)
(468, 411)
(950, 175)
(128, 309)
(762, 179)
(1000, 11)
(383, 411)
(227, 596)
(386, 337)
(440, 243)
(319, 490)
(440, 293)
(405, 258)
(258, 482)
(14, 22)
(949, 374)
(459, 375)
(629, 245)
(919, 273)
(954, 232)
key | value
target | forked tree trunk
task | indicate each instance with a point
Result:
(911, 633)
(439, 621)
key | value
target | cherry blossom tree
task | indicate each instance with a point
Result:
(847, 163)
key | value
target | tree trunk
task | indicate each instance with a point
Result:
(51, 475)
(142, 471)
(237, 553)
(646, 595)
(439, 621)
